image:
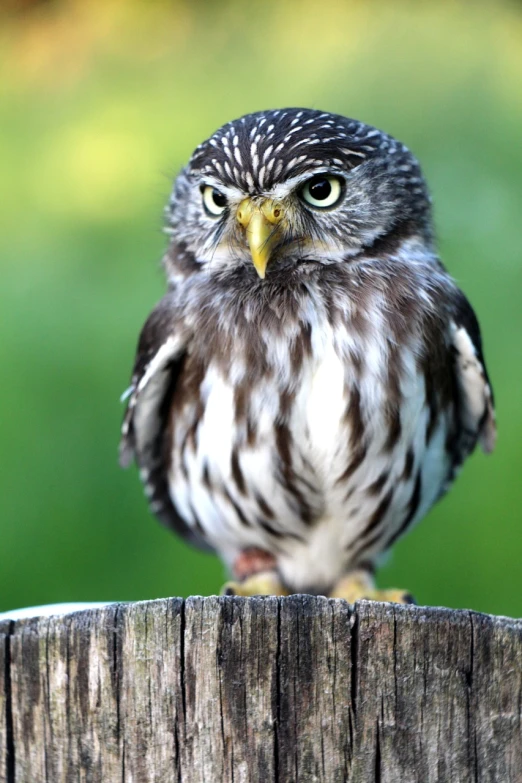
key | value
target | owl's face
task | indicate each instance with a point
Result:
(279, 188)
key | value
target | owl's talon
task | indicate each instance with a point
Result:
(391, 596)
(264, 583)
(359, 585)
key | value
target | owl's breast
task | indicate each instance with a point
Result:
(252, 437)
(299, 442)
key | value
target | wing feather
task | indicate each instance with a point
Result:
(159, 361)
(476, 408)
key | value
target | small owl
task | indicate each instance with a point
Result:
(313, 379)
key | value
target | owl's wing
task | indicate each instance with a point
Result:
(475, 395)
(159, 360)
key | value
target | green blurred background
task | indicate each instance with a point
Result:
(101, 103)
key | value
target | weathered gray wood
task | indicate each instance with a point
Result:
(6, 761)
(271, 690)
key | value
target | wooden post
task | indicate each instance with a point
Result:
(275, 690)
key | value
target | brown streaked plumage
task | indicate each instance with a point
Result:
(302, 414)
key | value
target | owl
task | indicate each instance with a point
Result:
(313, 379)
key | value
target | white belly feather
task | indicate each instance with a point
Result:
(315, 553)
(324, 402)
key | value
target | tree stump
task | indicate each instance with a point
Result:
(275, 690)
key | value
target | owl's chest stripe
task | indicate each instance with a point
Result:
(288, 477)
(413, 507)
(366, 539)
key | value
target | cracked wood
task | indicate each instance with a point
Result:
(275, 690)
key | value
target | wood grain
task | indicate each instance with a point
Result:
(271, 690)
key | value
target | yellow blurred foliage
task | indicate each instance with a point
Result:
(55, 44)
(124, 162)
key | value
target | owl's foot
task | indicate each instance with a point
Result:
(262, 583)
(360, 584)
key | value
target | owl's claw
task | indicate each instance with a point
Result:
(263, 583)
(360, 584)
(392, 596)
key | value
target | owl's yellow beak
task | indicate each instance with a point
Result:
(260, 219)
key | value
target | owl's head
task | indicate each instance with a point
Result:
(280, 188)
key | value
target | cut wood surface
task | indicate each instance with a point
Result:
(275, 690)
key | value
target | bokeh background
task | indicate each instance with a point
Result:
(101, 103)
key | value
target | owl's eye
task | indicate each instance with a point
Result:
(214, 201)
(322, 191)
